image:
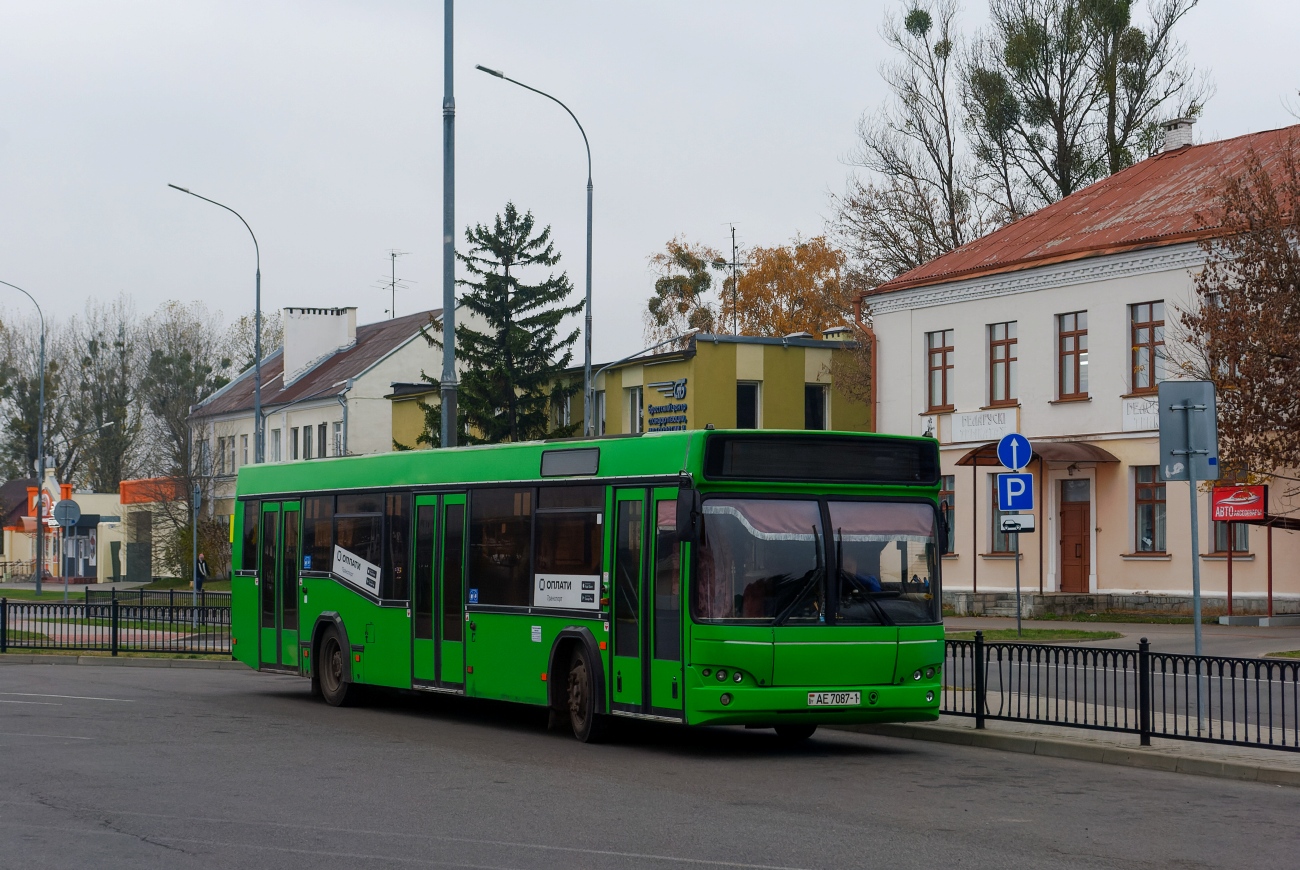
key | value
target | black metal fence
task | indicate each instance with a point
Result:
(1244, 702)
(157, 597)
(115, 626)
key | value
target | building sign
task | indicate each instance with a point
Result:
(670, 416)
(982, 425)
(356, 570)
(1141, 414)
(567, 590)
(1240, 504)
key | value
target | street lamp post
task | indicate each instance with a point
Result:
(258, 446)
(588, 394)
(40, 443)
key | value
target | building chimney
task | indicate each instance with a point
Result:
(1178, 133)
(312, 334)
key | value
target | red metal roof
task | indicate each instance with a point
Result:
(374, 341)
(1159, 201)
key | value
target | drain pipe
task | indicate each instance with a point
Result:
(343, 401)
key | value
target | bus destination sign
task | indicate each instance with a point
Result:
(577, 591)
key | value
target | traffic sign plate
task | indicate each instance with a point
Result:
(66, 513)
(1015, 492)
(1014, 451)
(1016, 523)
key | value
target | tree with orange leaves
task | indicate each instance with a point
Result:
(798, 287)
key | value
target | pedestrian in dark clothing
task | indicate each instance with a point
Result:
(200, 573)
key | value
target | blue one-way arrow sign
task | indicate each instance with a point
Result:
(1016, 492)
(1014, 451)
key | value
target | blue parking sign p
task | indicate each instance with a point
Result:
(1015, 492)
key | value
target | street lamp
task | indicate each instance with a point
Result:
(687, 334)
(258, 446)
(588, 394)
(40, 443)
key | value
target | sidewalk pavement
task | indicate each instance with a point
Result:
(55, 584)
(1276, 766)
(1239, 641)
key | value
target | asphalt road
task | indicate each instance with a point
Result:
(125, 767)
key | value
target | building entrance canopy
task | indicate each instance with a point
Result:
(1049, 451)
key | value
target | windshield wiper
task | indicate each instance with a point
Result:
(816, 574)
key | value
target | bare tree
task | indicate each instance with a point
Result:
(1242, 333)
(917, 200)
(108, 372)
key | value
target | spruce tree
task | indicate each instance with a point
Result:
(512, 371)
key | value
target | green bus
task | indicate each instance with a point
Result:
(780, 579)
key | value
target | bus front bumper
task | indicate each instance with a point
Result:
(777, 705)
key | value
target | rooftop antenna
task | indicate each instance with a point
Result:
(735, 285)
(392, 282)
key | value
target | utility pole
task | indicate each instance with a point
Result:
(449, 385)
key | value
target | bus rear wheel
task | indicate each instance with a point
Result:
(795, 733)
(588, 724)
(335, 687)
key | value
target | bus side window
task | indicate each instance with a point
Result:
(668, 597)
(500, 545)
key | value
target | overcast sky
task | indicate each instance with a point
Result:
(321, 123)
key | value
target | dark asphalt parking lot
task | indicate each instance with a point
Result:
(177, 768)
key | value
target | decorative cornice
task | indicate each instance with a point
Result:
(1100, 268)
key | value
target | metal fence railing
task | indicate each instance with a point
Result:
(1244, 702)
(114, 627)
(157, 597)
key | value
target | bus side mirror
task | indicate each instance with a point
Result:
(945, 526)
(689, 516)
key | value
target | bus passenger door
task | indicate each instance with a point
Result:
(423, 655)
(278, 584)
(663, 595)
(451, 592)
(629, 567)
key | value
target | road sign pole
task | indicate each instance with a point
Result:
(63, 568)
(1016, 535)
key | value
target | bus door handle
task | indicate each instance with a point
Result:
(473, 627)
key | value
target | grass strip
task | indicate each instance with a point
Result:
(1286, 654)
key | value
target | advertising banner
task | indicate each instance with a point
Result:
(1240, 504)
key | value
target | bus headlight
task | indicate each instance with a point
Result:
(737, 677)
(722, 675)
(725, 699)
(929, 697)
(917, 675)
(929, 673)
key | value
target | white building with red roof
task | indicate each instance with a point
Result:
(1059, 327)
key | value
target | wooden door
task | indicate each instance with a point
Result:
(1076, 538)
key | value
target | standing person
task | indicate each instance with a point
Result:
(200, 573)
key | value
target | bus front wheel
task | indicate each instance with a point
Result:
(335, 686)
(588, 724)
(795, 733)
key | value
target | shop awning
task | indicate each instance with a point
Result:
(1050, 451)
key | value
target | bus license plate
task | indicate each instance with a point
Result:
(834, 699)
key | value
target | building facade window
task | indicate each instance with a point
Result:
(276, 448)
(293, 442)
(939, 363)
(1240, 537)
(307, 434)
(598, 417)
(948, 504)
(230, 455)
(816, 406)
(1002, 363)
(1148, 510)
(1001, 542)
(243, 449)
(338, 439)
(747, 416)
(221, 455)
(636, 409)
(1147, 334)
(322, 440)
(1072, 353)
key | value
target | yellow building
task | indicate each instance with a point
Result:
(724, 381)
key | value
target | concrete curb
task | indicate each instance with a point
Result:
(121, 662)
(1143, 758)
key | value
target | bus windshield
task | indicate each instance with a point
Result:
(885, 558)
(764, 561)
